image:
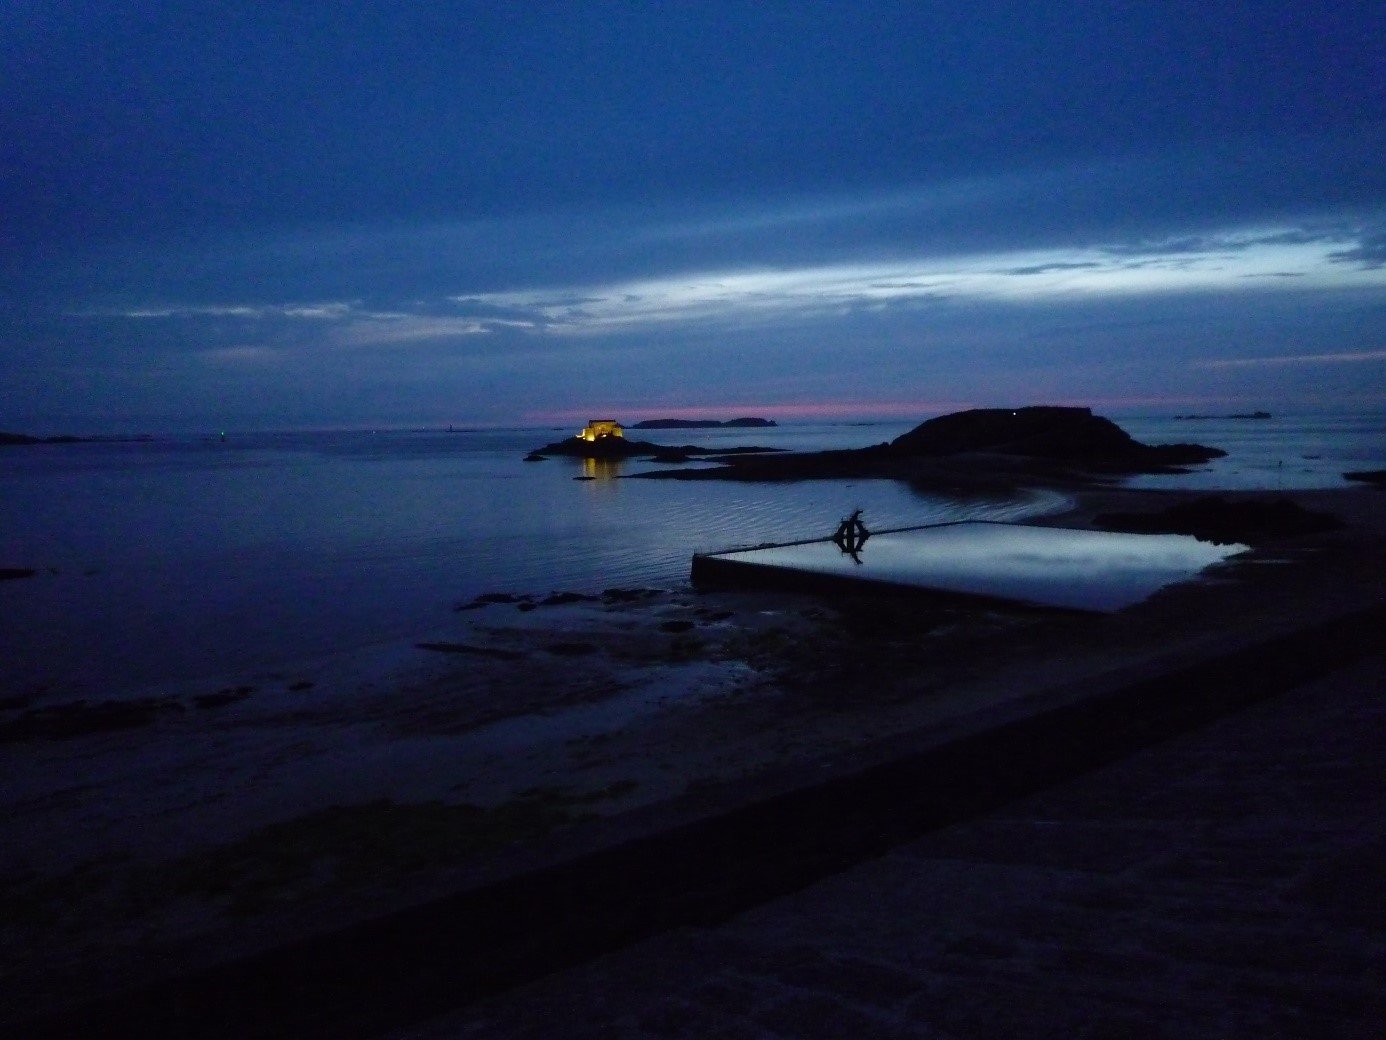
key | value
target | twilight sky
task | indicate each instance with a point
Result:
(286, 214)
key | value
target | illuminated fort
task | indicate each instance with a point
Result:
(598, 429)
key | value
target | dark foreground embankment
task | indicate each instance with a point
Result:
(382, 974)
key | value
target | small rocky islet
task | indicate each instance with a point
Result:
(618, 446)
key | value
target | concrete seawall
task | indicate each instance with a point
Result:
(698, 870)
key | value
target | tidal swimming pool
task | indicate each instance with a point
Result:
(1034, 566)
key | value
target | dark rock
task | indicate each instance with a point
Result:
(223, 697)
(525, 606)
(11, 573)
(1368, 476)
(571, 649)
(989, 447)
(676, 626)
(1067, 434)
(14, 703)
(624, 448)
(671, 457)
(486, 599)
(79, 718)
(867, 617)
(559, 599)
(301, 685)
(534, 456)
(627, 595)
(1215, 519)
(603, 448)
(467, 648)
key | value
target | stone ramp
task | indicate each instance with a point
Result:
(1225, 884)
(379, 975)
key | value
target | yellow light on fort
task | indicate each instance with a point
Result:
(599, 428)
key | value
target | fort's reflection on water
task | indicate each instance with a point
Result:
(601, 469)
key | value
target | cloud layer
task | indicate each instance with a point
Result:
(379, 214)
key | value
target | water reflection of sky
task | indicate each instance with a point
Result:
(1088, 570)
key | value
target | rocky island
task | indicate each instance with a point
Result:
(976, 447)
(606, 439)
(622, 448)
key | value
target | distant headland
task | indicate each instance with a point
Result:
(702, 424)
(67, 438)
(1234, 415)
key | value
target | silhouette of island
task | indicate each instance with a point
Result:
(1068, 434)
(619, 447)
(702, 424)
(1234, 415)
(67, 438)
(983, 445)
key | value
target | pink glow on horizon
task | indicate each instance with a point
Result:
(836, 410)
(799, 410)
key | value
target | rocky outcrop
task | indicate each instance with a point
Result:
(982, 449)
(624, 448)
(1215, 519)
(1368, 476)
(83, 718)
(601, 448)
(1072, 435)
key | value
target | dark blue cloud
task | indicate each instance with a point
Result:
(339, 211)
(148, 119)
(1370, 252)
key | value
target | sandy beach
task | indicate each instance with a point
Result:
(194, 825)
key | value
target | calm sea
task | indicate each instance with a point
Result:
(188, 559)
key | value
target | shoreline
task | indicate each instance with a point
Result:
(661, 723)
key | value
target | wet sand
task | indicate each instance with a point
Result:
(215, 829)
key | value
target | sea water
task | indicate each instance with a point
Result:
(188, 558)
